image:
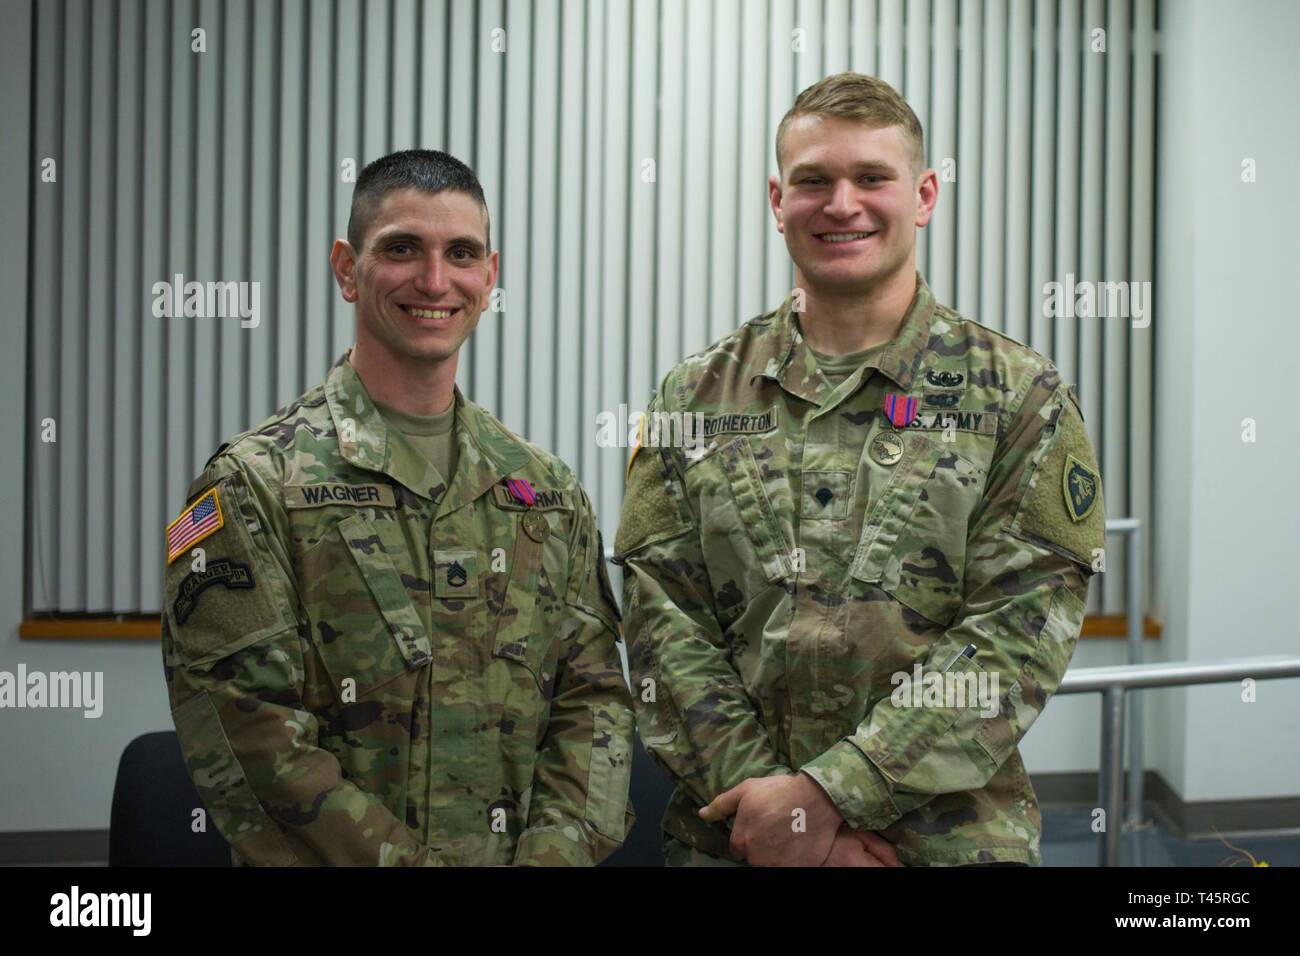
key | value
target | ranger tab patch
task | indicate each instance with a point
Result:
(1080, 485)
(198, 521)
(232, 574)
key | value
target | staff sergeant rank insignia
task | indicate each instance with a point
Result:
(1080, 485)
(456, 575)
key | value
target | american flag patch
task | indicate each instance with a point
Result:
(195, 523)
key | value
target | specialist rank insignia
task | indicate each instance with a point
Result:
(1080, 485)
(900, 409)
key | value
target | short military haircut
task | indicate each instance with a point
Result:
(867, 100)
(428, 170)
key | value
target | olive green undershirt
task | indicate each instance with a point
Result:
(837, 368)
(434, 436)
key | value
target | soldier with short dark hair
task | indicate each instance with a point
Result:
(389, 635)
(887, 510)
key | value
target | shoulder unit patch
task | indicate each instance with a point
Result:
(1080, 484)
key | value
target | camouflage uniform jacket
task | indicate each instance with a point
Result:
(778, 577)
(393, 670)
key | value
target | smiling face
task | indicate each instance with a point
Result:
(423, 276)
(848, 203)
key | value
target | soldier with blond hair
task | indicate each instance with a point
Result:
(891, 493)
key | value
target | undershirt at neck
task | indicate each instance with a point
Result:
(837, 368)
(434, 436)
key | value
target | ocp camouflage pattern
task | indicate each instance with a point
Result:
(776, 582)
(423, 672)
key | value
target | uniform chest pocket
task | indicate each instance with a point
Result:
(736, 511)
(519, 632)
(913, 542)
(366, 627)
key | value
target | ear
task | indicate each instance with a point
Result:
(927, 196)
(343, 263)
(493, 270)
(774, 200)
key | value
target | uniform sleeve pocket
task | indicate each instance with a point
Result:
(909, 740)
(610, 769)
(1038, 679)
(225, 791)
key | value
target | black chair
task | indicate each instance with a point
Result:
(650, 791)
(153, 810)
(154, 802)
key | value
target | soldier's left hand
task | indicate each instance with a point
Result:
(780, 821)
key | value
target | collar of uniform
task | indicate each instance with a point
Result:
(901, 359)
(790, 363)
(368, 442)
(487, 454)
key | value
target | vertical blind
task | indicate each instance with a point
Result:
(624, 149)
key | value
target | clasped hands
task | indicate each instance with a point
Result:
(768, 832)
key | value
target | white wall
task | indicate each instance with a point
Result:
(1227, 329)
(1230, 268)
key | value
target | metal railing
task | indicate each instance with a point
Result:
(1134, 595)
(1113, 682)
